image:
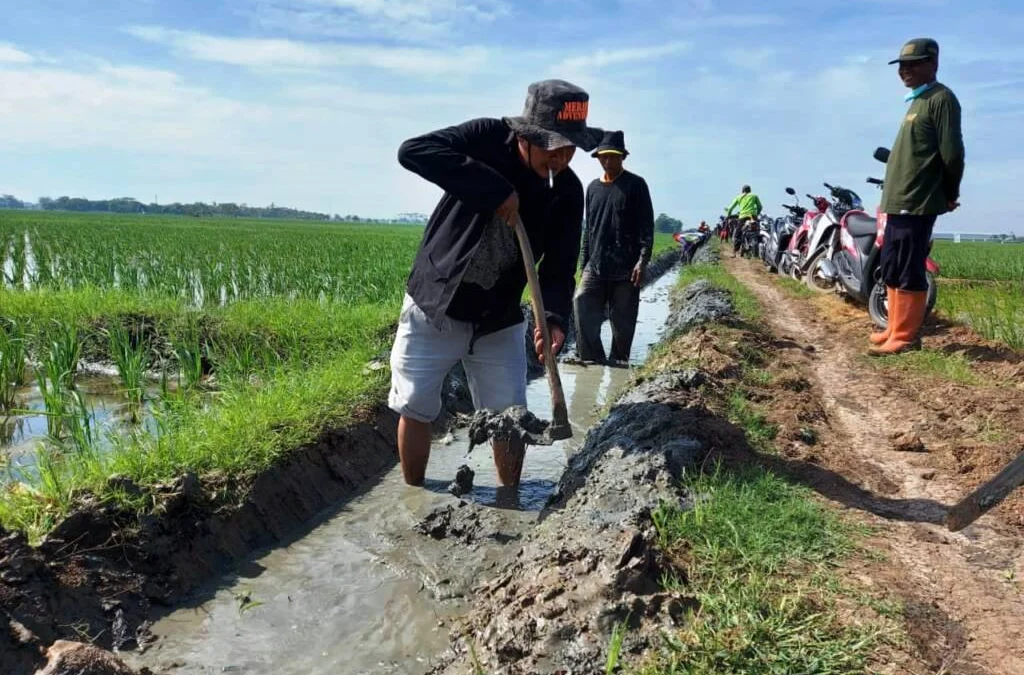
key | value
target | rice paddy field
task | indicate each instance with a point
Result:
(982, 285)
(143, 347)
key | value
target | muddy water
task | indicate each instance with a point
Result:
(362, 592)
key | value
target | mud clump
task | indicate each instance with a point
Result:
(515, 422)
(700, 303)
(463, 483)
(908, 442)
(592, 563)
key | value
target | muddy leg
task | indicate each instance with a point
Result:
(413, 449)
(625, 304)
(508, 460)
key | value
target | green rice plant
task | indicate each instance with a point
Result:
(132, 360)
(13, 360)
(63, 352)
(80, 424)
(189, 356)
(55, 397)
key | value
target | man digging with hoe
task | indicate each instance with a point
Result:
(501, 178)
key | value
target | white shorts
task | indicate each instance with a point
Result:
(423, 354)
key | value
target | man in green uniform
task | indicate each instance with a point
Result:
(749, 206)
(922, 181)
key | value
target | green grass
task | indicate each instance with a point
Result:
(796, 288)
(993, 309)
(954, 367)
(760, 552)
(243, 433)
(979, 260)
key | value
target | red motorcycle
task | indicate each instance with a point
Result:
(792, 260)
(855, 264)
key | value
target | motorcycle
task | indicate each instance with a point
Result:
(791, 263)
(765, 225)
(854, 267)
(751, 239)
(781, 232)
(824, 238)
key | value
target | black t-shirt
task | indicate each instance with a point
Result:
(620, 227)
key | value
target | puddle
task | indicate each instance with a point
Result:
(21, 434)
(362, 592)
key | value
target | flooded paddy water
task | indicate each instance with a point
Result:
(363, 591)
(24, 428)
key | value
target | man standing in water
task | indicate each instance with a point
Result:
(922, 181)
(617, 245)
(464, 292)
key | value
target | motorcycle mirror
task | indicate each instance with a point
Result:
(790, 191)
(882, 154)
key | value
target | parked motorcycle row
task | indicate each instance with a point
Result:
(832, 245)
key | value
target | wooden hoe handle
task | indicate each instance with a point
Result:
(560, 427)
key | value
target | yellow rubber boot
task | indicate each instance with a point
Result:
(883, 337)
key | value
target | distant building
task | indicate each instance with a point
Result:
(977, 236)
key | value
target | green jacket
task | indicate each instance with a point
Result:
(748, 203)
(927, 159)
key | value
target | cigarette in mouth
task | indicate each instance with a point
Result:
(551, 177)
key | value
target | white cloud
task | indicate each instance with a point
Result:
(276, 54)
(405, 20)
(10, 54)
(600, 58)
(128, 108)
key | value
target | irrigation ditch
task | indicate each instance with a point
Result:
(100, 577)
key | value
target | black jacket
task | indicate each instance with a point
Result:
(477, 164)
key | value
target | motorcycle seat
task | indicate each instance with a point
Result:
(860, 225)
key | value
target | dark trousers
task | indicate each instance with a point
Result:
(595, 297)
(905, 250)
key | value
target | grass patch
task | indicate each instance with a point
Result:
(242, 433)
(759, 549)
(993, 309)
(928, 362)
(796, 288)
(761, 433)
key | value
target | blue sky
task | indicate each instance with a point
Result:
(304, 102)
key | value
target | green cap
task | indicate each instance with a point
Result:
(918, 49)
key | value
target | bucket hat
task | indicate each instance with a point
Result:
(613, 142)
(555, 116)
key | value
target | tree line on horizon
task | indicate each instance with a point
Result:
(195, 209)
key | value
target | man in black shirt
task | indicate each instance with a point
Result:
(464, 292)
(617, 245)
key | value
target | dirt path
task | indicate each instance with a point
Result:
(961, 592)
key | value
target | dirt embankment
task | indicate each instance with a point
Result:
(96, 575)
(592, 564)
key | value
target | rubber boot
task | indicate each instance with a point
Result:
(911, 307)
(883, 337)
